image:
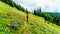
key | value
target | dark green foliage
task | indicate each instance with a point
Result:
(37, 11)
(48, 17)
(26, 11)
(56, 21)
(9, 2)
(56, 17)
(34, 12)
(19, 7)
(13, 4)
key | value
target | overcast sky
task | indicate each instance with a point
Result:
(46, 5)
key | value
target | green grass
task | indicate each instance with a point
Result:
(35, 25)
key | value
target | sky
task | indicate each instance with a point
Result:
(46, 5)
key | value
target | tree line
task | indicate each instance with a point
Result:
(37, 12)
(13, 4)
(47, 17)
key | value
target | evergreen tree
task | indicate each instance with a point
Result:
(13, 4)
(34, 12)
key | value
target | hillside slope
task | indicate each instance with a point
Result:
(35, 25)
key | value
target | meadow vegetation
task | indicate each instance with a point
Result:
(35, 25)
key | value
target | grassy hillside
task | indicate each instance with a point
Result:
(35, 25)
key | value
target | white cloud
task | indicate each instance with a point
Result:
(46, 5)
